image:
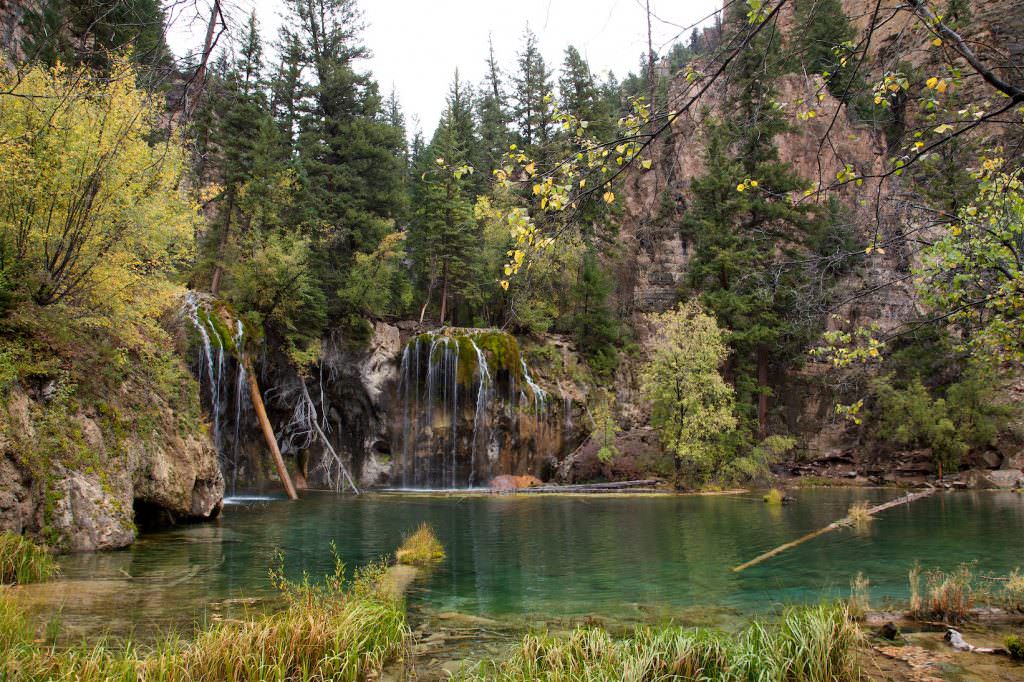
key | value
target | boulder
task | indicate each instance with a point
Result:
(506, 482)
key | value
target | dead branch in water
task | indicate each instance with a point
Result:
(845, 521)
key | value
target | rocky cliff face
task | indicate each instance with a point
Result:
(105, 484)
(878, 289)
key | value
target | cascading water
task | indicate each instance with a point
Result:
(455, 431)
(213, 369)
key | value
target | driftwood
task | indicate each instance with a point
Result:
(637, 486)
(268, 430)
(845, 521)
(957, 641)
(315, 424)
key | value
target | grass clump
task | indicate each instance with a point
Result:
(1015, 647)
(809, 644)
(22, 561)
(329, 630)
(774, 497)
(860, 591)
(859, 514)
(422, 548)
(947, 596)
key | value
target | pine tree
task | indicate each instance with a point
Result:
(493, 117)
(349, 161)
(745, 229)
(442, 232)
(820, 40)
(532, 96)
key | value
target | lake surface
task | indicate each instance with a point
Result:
(541, 557)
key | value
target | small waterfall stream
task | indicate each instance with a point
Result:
(214, 371)
(458, 427)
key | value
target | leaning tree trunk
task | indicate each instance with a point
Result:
(268, 431)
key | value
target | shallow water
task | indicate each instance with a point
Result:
(541, 557)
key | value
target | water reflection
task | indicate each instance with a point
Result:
(538, 556)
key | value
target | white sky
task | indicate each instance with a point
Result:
(417, 44)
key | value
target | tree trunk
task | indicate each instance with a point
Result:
(444, 292)
(268, 431)
(208, 44)
(218, 271)
(762, 397)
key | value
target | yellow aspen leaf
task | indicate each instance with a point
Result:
(504, 284)
(937, 42)
(608, 197)
(753, 183)
(530, 168)
(941, 87)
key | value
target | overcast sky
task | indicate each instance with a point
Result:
(417, 44)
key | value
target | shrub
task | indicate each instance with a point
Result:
(948, 597)
(422, 548)
(23, 561)
(1015, 646)
(774, 496)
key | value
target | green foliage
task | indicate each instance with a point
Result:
(604, 427)
(90, 31)
(377, 283)
(966, 418)
(973, 272)
(596, 330)
(813, 644)
(692, 406)
(276, 281)
(1015, 646)
(824, 43)
(22, 561)
(91, 218)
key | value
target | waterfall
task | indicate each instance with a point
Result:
(454, 428)
(213, 369)
(240, 393)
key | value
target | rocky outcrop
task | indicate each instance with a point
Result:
(104, 486)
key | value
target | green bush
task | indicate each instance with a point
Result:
(965, 418)
(1015, 646)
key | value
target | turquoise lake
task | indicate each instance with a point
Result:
(541, 557)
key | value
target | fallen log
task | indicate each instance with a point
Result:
(268, 430)
(845, 521)
(591, 487)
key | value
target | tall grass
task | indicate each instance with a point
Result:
(860, 597)
(22, 561)
(809, 644)
(329, 630)
(422, 548)
(948, 596)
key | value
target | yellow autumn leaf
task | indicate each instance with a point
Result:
(931, 82)
(941, 87)
(608, 197)
(530, 168)
(937, 42)
(504, 284)
(646, 164)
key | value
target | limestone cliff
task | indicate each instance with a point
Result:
(95, 484)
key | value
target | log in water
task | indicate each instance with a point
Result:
(845, 521)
